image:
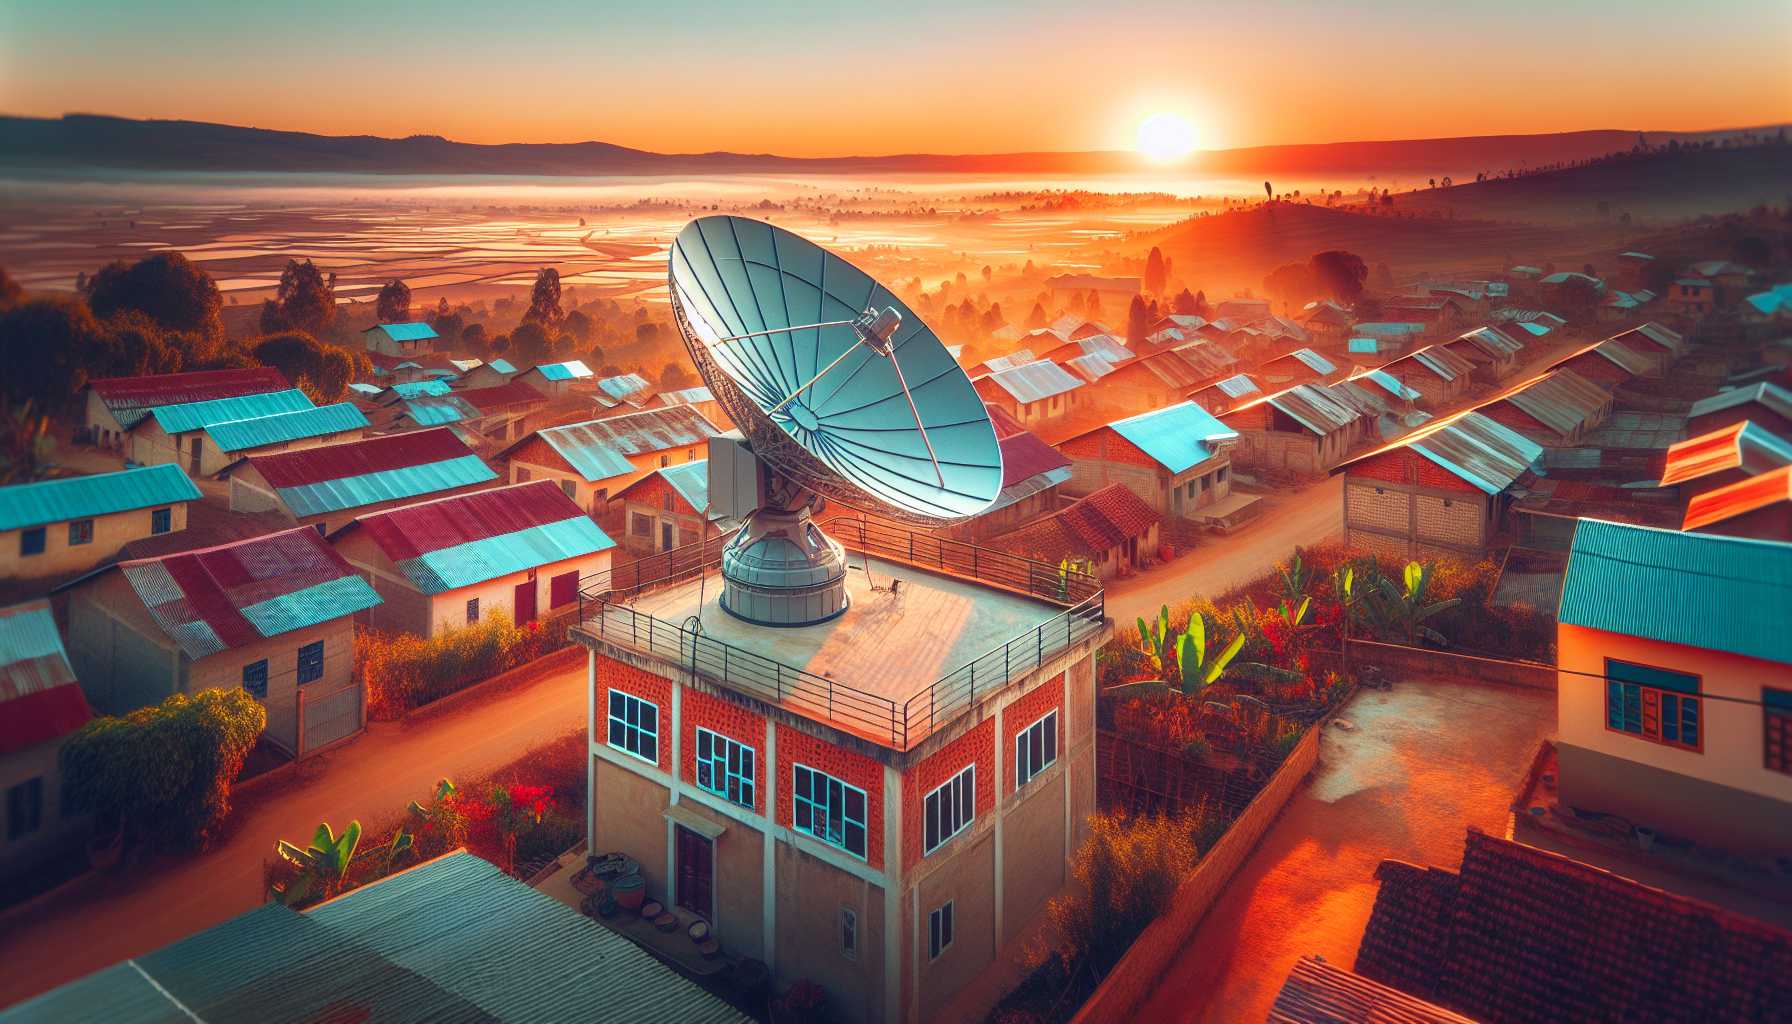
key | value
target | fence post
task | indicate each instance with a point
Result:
(1039, 657)
(778, 678)
(301, 740)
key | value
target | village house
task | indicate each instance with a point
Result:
(40, 705)
(844, 811)
(1492, 352)
(1691, 297)
(1391, 338)
(504, 412)
(449, 562)
(234, 440)
(408, 340)
(325, 487)
(1759, 507)
(1303, 429)
(556, 380)
(56, 527)
(1033, 473)
(1675, 698)
(1155, 381)
(488, 375)
(434, 411)
(116, 404)
(1632, 266)
(1438, 375)
(594, 460)
(995, 364)
(627, 391)
(1243, 310)
(1729, 277)
(699, 398)
(1556, 410)
(1401, 398)
(1179, 459)
(1222, 395)
(1723, 457)
(1769, 308)
(1440, 314)
(1766, 403)
(1111, 529)
(1105, 345)
(1619, 305)
(432, 387)
(1442, 489)
(1033, 393)
(1187, 323)
(1608, 364)
(176, 433)
(273, 615)
(1301, 366)
(665, 510)
(1327, 322)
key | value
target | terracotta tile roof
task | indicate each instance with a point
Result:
(1094, 524)
(1522, 935)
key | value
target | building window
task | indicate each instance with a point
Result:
(570, 489)
(1652, 703)
(311, 663)
(24, 808)
(472, 610)
(725, 767)
(665, 460)
(1776, 710)
(255, 679)
(949, 809)
(640, 525)
(635, 726)
(1221, 475)
(522, 475)
(161, 521)
(939, 930)
(828, 809)
(1035, 749)
(849, 933)
(563, 589)
(31, 542)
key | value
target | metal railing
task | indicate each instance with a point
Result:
(605, 612)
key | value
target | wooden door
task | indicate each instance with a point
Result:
(525, 602)
(696, 873)
(666, 537)
(198, 448)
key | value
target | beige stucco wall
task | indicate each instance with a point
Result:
(39, 761)
(110, 532)
(408, 610)
(224, 671)
(628, 814)
(810, 893)
(967, 879)
(1034, 854)
(151, 445)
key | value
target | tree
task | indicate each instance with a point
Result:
(1340, 273)
(305, 301)
(323, 370)
(578, 326)
(1156, 275)
(10, 292)
(165, 287)
(49, 348)
(1184, 303)
(473, 339)
(1138, 321)
(26, 445)
(1092, 304)
(394, 303)
(163, 772)
(675, 376)
(531, 344)
(1293, 283)
(141, 347)
(1267, 191)
(1202, 309)
(1036, 319)
(1401, 610)
(544, 299)
(449, 326)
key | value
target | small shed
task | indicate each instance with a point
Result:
(408, 340)
(1556, 409)
(556, 380)
(1113, 528)
(1179, 458)
(1493, 352)
(1303, 429)
(593, 460)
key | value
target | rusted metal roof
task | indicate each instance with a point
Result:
(83, 497)
(1563, 401)
(599, 449)
(1744, 446)
(1019, 357)
(1443, 362)
(1760, 491)
(1314, 408)
(1471, 447)
(1766, 393)
(1664, 337)
(1091, 367)
(1035, 381)
(1619, 354)
(1024, 455)
(129, 399)
(501, 397)
(623, 386)
(1493, 341)
(32, 659)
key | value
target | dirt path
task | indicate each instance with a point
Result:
(104, 919)
(1308, 516)
(1423, 762)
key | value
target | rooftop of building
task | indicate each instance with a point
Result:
(80, 497)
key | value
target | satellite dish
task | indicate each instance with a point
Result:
(839, 392)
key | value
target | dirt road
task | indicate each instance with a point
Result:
(1309, 516)
(106, 918)
(1421, 763)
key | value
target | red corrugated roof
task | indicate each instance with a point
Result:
(1744, 496)
(353, 458)
(1024, 455)
(445, 522)
(499, 397)
(178, 388)
(42, 716)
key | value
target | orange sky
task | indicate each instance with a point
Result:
(922, 75)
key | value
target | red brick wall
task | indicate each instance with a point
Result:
(1598, 369)
(612, 674)
(537, 452)
(1398, 467)
(653, 490)
(731, 720)
(1254, 418)
(1106, 443)
(976, 745)
(1030, 707)
(1512, 416)
(798, 747)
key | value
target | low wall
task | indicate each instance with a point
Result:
(1142, 969)
(1400, 659)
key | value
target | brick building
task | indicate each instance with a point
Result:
(1609, 364)
(594, 460)
(1767, 404)
(1437, 374)
(1179, 459)
(1557, 409)
(1113, 529)
(1303, 429)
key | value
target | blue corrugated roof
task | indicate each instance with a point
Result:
(435, 572)
(311, 605)
(241, 435)
(1314, 361)
(1365, 345)
(436, 410)
(1177, 436)
(691, 481)
(572, 369)
(1392, 385)
(621, 386)
(404, 332)
(80, 497)
(1388, 329)
(180, 419)
(502, 366)
(1708, 591)
(419, 388)
(385, 485)
(365, 389)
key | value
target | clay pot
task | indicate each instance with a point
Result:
(630, 891)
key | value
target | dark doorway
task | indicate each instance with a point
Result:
(198, 447)
(665, 536)
(696, 873)
(525, 602)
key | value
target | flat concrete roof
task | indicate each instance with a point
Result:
(891, 645)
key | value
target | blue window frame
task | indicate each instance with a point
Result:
(311, 663)
(255, 679)
(725, 767)
(161, 520)
(31, 542)
(635, 726)
(1655, 704)
(828, 809)
(80, 531)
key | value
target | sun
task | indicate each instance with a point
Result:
(1166, 137)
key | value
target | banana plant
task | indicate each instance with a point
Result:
(1296, 616)
(1157, 641)
(1402, 609)
(1294, 578)
(1198, 671)
(401, 844)
(321, 866)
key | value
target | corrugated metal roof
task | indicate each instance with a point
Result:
(190, 416)
(1387, 329)
(1177, 437)
(366, 389)
(599, 449)
(1493, 341)
(1619, 354)
(500, 397)
(686, 396)
(1238, 386)
(1701, 590)
(82, 497)
(1478, 450)
(334, 477)
(466, 365)
(1019, 357)
(420, 388)
(404, 332)
(1090, 367)
(1366, 401)
(1317, 992)
(1036, 381)
(1725, 503)
(1314, 361)
(622, 386)
(1443, 362)
(1768, 394)
(214, 599)
(1746, 446)
(1314, 408)
(32, 659)
(502, 365)
(435, 411)
(1389, 383)
(572, 369)
(1365, 346)
(243, 435)
(469, 538)
(1562, 400)
(130, 398)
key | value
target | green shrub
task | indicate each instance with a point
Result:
(406, 671)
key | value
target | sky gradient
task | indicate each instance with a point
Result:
(814, 79)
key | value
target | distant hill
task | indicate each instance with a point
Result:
(86, 141)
